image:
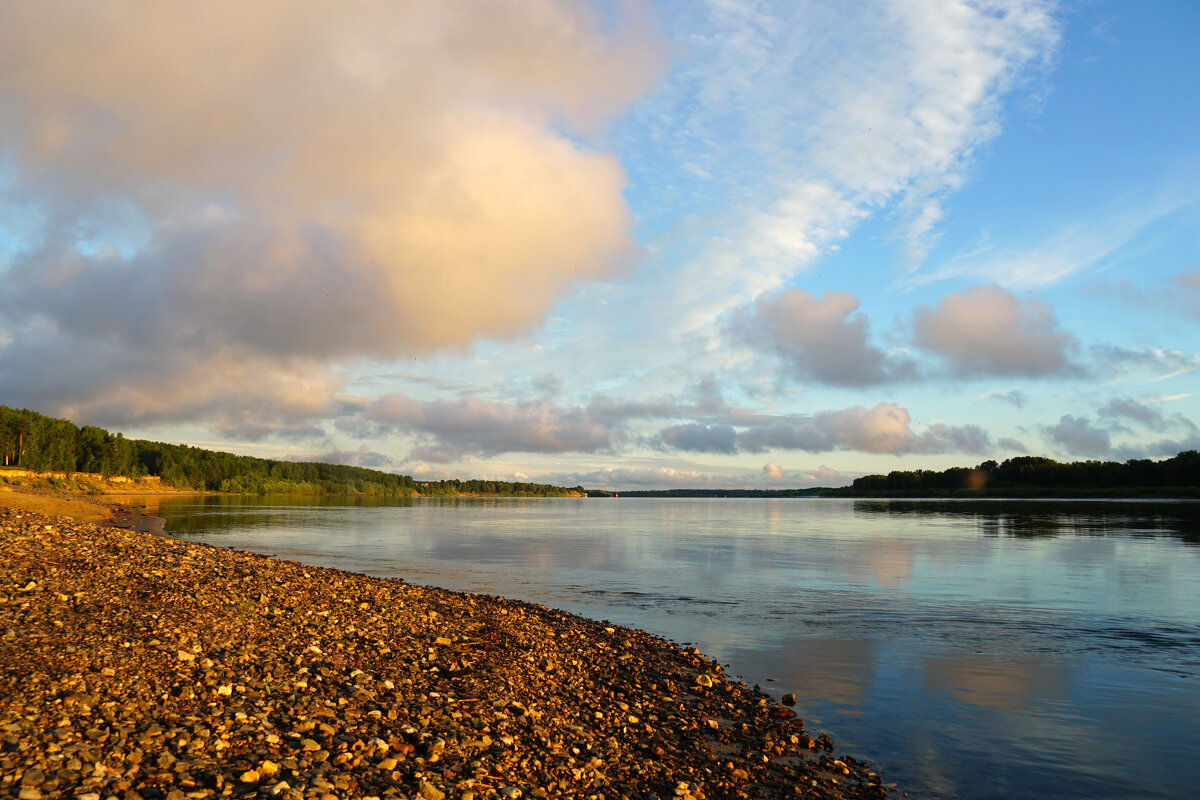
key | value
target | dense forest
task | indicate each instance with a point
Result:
(35, 442)
(1035, 476)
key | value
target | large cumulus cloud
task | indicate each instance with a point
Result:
(304, 181)
(990, 331)
(819, 338)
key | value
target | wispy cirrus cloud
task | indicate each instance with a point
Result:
(1153, 364)
(1079, 245)
(792, 123)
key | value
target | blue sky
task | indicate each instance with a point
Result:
(619, 244)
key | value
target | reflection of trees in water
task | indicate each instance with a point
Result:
(220, 514)
(1045, 519)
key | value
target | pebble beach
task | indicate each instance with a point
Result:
(133, 665)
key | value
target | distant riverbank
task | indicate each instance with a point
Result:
(1016, 493)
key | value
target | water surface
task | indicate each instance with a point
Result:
(968, 649)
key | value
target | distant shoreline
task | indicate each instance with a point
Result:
(1024, 493)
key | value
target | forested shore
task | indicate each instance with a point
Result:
(1034, 476)
(42, 444)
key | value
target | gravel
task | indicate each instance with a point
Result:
(136, 666)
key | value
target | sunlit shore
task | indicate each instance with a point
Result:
(172, 670)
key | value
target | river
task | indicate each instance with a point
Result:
(967, 649)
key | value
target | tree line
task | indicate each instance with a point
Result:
(1034, 475)
(35, 442)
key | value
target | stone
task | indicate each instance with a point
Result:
(789, 699)
(430, 792)
(33, 777)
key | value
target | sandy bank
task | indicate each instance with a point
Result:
(80, 508)
(83, 509)
(135, 666)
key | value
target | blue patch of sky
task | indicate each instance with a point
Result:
(108, 226)
(112, 227)
(22, 223)
(1103, 134)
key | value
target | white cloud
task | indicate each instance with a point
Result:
(990, 331)
(1078, 436)
(1184, 293)
(674, 478)
(239, 392)
(1012, 445)
(822, 339)
(293, 191)
(806, 118)
(471, 426)
(364, 456)
(1151, 364)
(1013, 397)
(882, 429)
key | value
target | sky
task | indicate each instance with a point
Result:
(623, 244)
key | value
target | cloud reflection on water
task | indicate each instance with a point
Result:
(939, 640)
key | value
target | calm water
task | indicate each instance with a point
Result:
(967, 649)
